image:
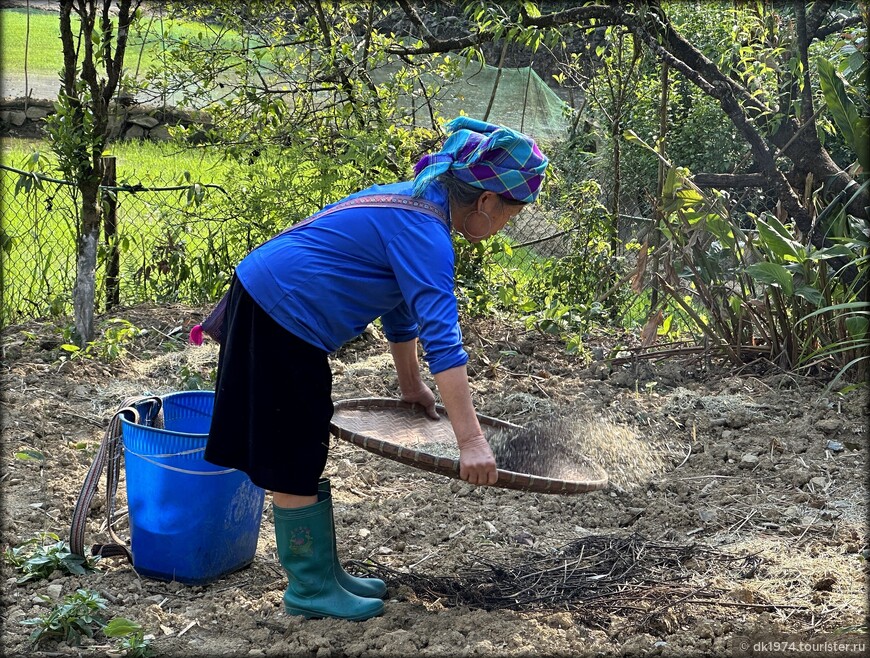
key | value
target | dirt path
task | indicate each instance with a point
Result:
(737, 508)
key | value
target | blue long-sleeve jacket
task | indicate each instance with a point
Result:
(326, 281)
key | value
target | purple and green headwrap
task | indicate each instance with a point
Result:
(487, 156)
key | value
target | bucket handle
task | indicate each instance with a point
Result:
(175, 468)
(110, 451)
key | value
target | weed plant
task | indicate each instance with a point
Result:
(79, 615)
(134, 643)
(36, 560)
(118, 336)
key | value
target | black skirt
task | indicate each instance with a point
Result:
(273, 401)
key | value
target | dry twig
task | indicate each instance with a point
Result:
(594, 576)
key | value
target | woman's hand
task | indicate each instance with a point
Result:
(423, 396)
(476, 461)
(414, 390)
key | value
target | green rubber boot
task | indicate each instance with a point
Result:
(305, 549)
(370, 587)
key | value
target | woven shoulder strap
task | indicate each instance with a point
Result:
(109, 454)
(402, 201)
(213, 324)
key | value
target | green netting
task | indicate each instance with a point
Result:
(523, 101)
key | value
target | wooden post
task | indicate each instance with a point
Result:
(660, 185)
(110, 233)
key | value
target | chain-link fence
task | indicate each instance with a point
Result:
(169, 243)
(157, 244)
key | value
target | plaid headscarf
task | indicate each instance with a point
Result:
(487, 156)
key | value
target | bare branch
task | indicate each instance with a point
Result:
(69, 50)
(115, 65)
(445, 45)
(412, 14)
(833, 28)
(726, 181)
(803, 47)
(604, 14)
(817, 14)
(433, 43)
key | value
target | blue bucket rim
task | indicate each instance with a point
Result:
(191, 435)
(196, 393)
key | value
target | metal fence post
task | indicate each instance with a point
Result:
(110, 233)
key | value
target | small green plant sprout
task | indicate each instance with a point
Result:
(192, 379)
(29, 454)
(79, 614)
(113, 344)
(37, 560)
(134, 643)
(29, 335)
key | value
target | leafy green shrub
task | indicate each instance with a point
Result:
(36, 560)
(762, 288)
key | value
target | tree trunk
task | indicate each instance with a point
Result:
(84, 59)
(84, 293)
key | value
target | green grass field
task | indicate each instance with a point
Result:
(148, 163)
(44, 53)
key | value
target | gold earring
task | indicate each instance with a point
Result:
(469, 233)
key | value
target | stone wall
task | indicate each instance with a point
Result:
(27, 119)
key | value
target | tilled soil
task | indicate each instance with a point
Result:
(736, 507)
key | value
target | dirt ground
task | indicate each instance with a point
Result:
(736, 507)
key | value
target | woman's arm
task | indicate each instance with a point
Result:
(476, 461)
(411, 384)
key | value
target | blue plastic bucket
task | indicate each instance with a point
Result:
(190, 521)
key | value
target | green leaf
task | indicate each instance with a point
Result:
(532, 9)
(6, 241)
(856, 308)
(856, 61)
(668, 190)
(777, 238)
(120, 627)
(772, 274)
(722, 229)
(736, 303)
(75, 567)
(835, 251)
(665, 326)
(30, 454)
(689, 195)
(631, 137)
(853, 127)
(857, 326)
(810, 294)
